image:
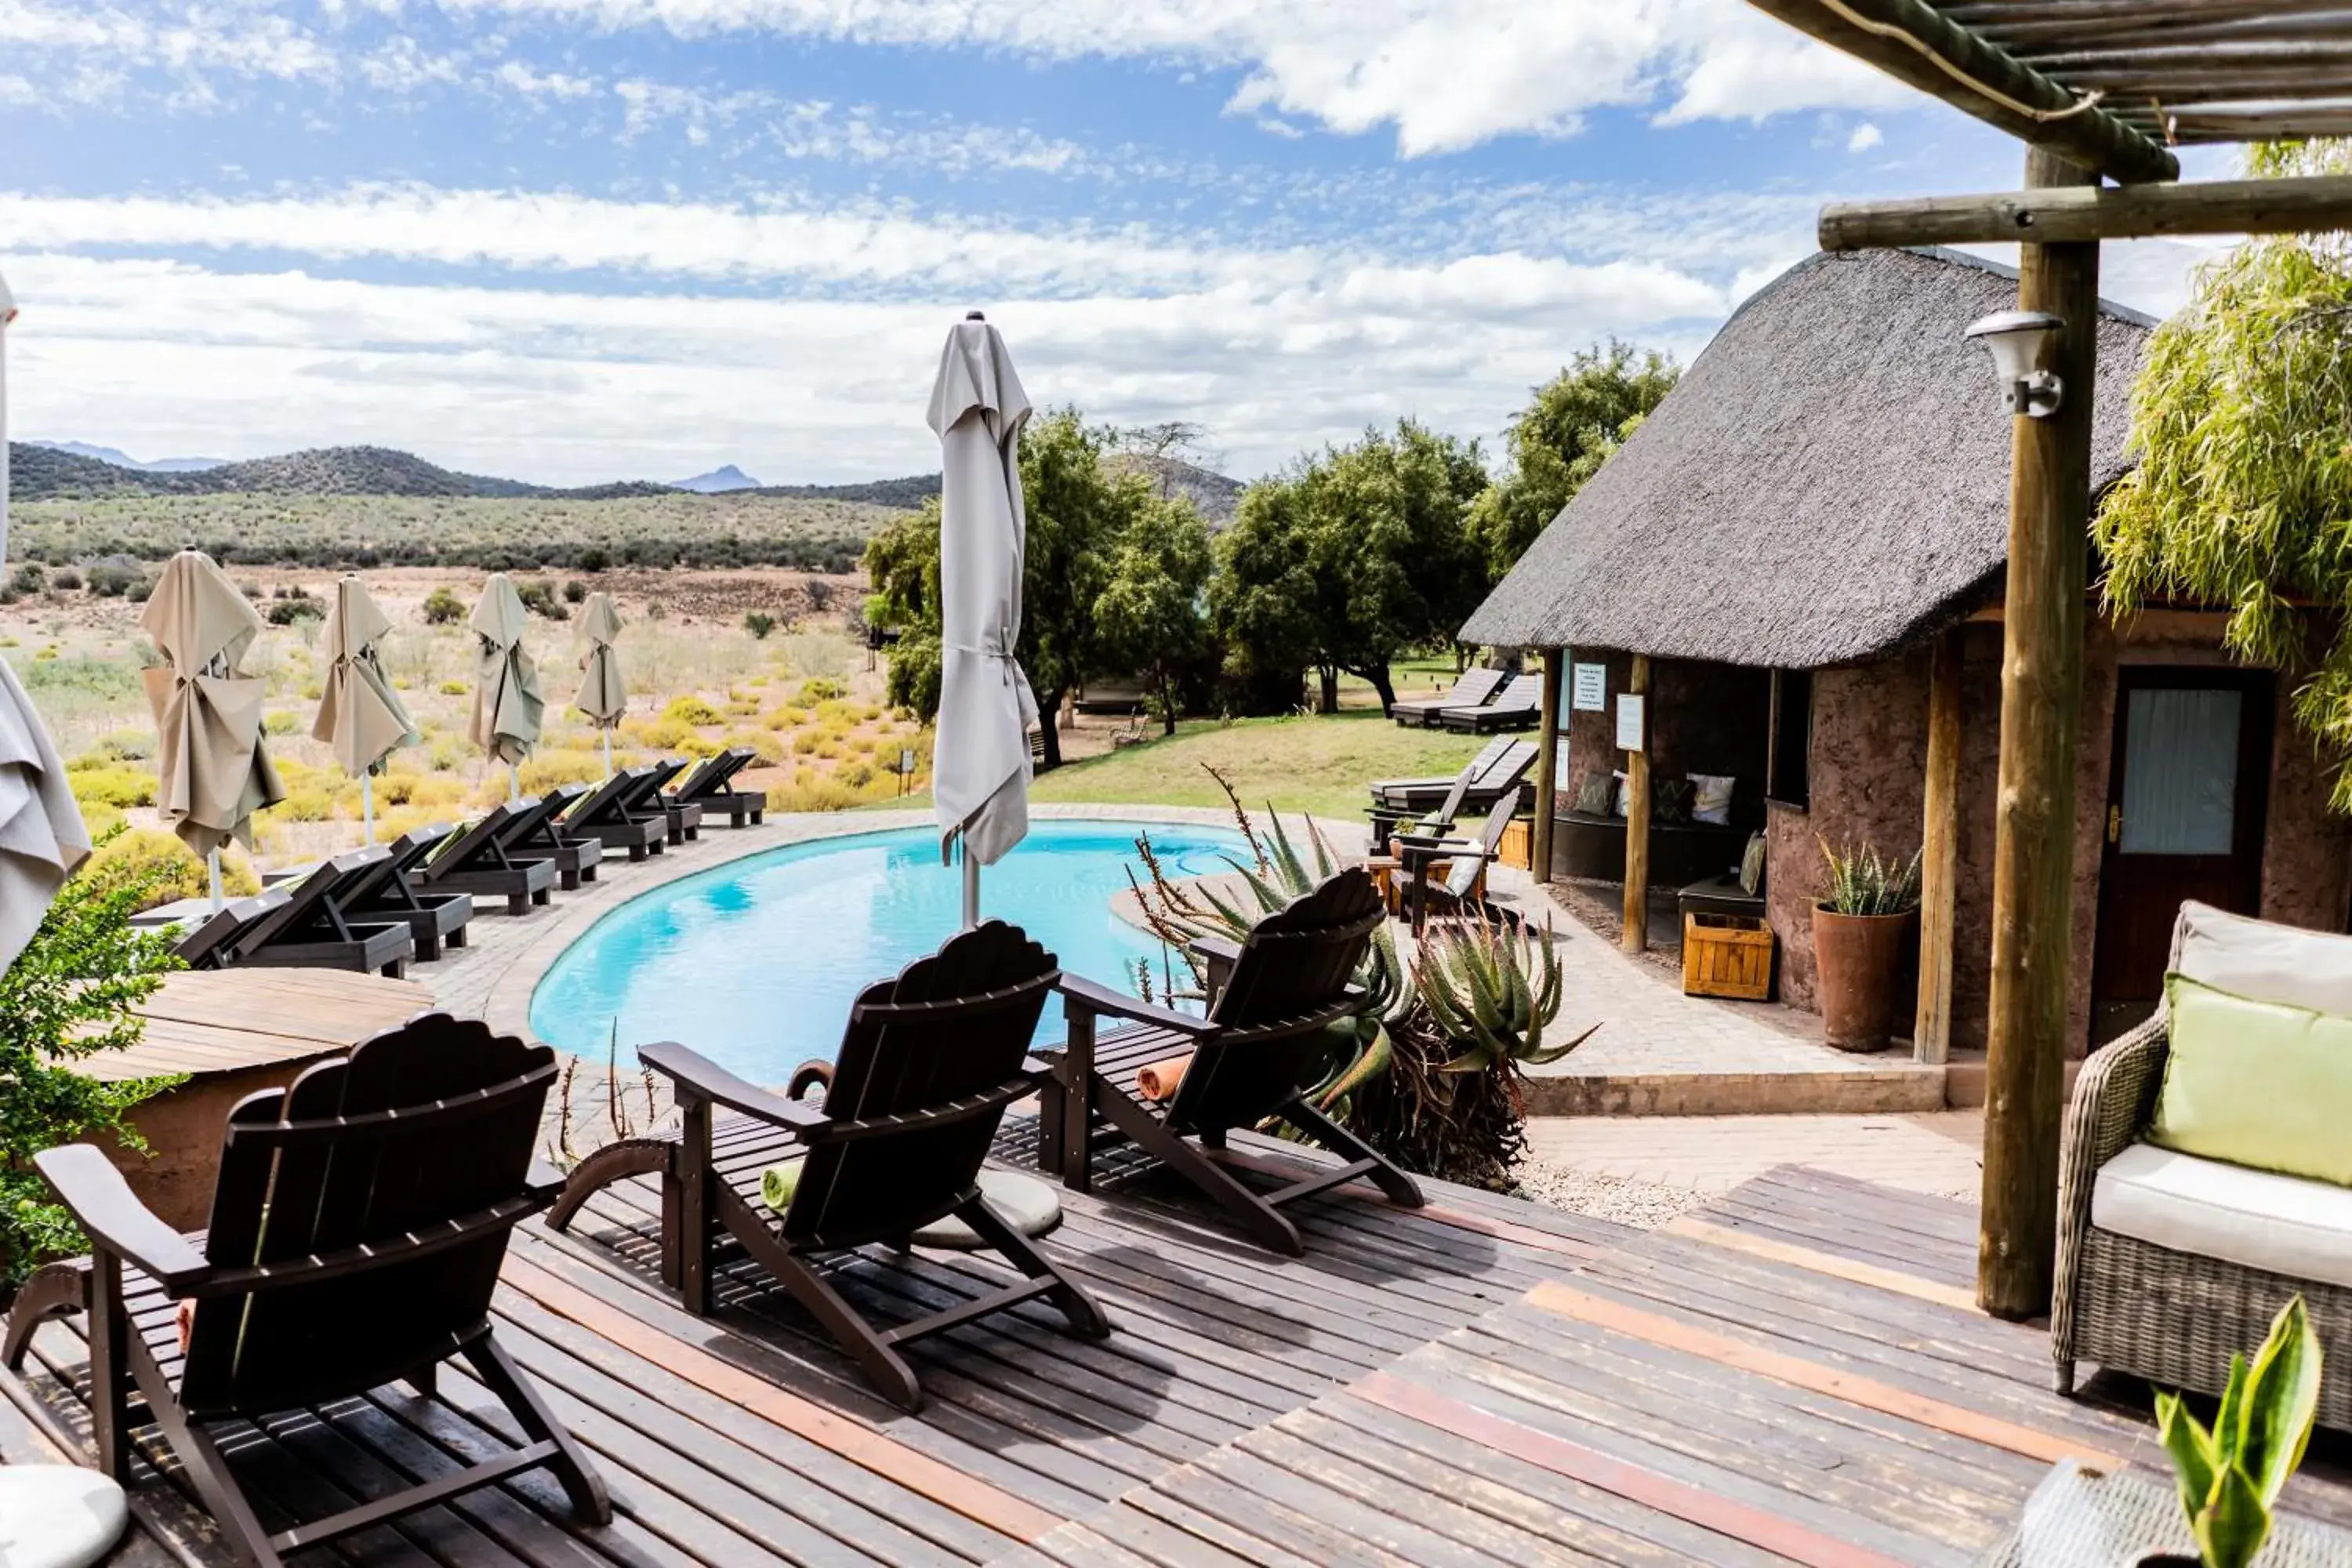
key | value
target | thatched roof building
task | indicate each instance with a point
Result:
(1831, 479)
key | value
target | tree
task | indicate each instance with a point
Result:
(1352, 557)
(1561, 439)
(1148, 616)
(2243, 424)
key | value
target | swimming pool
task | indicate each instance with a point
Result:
(755, 963)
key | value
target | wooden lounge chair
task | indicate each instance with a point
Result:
(1518, 706)
(1253, 1058)
(1497, 756)
(538, 834)
(474, 861)
(386, 892)
(680, 820)
(604, 815)
(1463, 889)
(1473, 689)
(313, 930)
(357, 1229)
(207, 943)
(929, 1062)
(712, 786)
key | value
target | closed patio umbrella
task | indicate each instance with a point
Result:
(508, 706)
(604, 695)
(42, 837)
(213, 773)
(360, 715)
(981, 769)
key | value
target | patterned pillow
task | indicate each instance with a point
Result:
(1592, 794)
(1670, 802)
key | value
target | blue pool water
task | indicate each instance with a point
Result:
(755, 963)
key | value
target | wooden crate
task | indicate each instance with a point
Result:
(1727, 955)
(1517, 846)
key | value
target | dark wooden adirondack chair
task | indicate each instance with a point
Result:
(1255, 1055)
(357, 1230)
(385, 893)
(1436, 818)
(927, 1064)
(540, 836)
(712, 786)
(313, 930)
(607, 817)
(475, 862)
(1463, 889)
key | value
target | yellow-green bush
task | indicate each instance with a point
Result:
(552, 766)
(111, 784)
(184, 875)
(819, 794)
(701, 746)
(767, 750)
(806, 742)
(787, 718)
(663, 734)
(691, 709)
(818, 690)
(453, 688)
(306, 802)
(100, 819)
(857, 776)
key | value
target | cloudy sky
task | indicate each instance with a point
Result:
(571, 240)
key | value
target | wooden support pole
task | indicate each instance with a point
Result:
(1913, 42)
(1636, 938)
(2033, 843)
(1940, 855)
(2084, 212)
(1547, 767)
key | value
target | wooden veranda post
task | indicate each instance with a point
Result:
(2040, 723)
(1547, 768)
(1939, 854)
(1636, 938)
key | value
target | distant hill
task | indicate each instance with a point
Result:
(906, 495)
(122, 459)
(718, 481)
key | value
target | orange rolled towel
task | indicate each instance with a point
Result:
(1158, 1079)
(184, 1319)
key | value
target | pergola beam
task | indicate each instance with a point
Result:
(2064, 216)
(1913, 43)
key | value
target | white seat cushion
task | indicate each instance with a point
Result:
(2261, 960)
(2284, 1224)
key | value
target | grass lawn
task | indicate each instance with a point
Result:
(1317, 764)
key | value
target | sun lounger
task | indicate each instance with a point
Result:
(474, 861)
(712, 786)
(388, 891)
(356, 1232)
(680, 820)
(312, 930)
(927, 1064)
(1400, 793)
(1518, 706)
(1439, 801)
(604, 815)
(1463, 889)
(535, 834)
(1473, 690)
(1253, 1058)
(205, 939)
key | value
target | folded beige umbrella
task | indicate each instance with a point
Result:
(604, 695)
(213, 774)
(507, 707)
(360, 715)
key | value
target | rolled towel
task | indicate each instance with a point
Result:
(183, 1319)
(1158, 1080)
(776, 1185)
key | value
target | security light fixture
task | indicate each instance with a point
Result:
(2022, 342)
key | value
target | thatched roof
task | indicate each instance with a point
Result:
(1831, 479)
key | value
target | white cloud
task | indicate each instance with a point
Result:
(236, 40)
(519, 78)
(1866, 136)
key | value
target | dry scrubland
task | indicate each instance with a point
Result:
(802, 698)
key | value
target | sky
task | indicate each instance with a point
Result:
(578, 240)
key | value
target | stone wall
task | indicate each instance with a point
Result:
(1705, 718)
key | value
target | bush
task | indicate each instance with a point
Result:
(663, 735)
(453, 689)
(28, 578)
(537, 596)
(575, 592)
(278, 722)
(111, 784)
(593, 559)
(111, 582)
(68, 996)
(168, 869)
(442, 609)
(284, 612)
(692, 709)
(818, 688)
(759, 622)
(64, 580)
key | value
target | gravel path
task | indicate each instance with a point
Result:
(1642, 1204)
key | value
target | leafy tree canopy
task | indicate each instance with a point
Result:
(2242, 425)
(1561, 439)
(1148, 618)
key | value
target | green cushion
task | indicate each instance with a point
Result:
(2265, 1084)
(777, 1183)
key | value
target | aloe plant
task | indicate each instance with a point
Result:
(2230, 1476)
(1490, 991)
(1864, 882)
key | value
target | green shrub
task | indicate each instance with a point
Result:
(575, 592)
(109, 581)
(111, 784)
(64, 580)
(443, 608)
(818, 688)
(692, 709)
(537, 596)
(71, 995)
(453, 689)
(284, 612)
(759, 622)
(278, 722)
(29, 577)
(168, 869)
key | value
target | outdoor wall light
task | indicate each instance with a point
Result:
(2022, 342)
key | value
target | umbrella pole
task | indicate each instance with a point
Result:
(514, 785)
(212, 870)
(367, 802)
(608, 750)
(970, 890)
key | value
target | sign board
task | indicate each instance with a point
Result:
(1628, 723)
(1591, 688)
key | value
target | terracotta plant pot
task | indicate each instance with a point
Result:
(1860, 959)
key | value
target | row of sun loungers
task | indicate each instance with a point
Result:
(1482, 700)
(378, 910)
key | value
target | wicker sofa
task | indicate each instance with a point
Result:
(2169, 1264)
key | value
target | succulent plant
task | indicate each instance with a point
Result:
(1491, 990)
(2230, 1476)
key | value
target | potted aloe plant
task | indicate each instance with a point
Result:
(1864, 930)
(2231, 1475)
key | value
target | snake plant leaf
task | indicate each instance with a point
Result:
(2234, 1523)
(2282, 1401)
(2230, 1417)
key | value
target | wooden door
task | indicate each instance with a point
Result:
(2187, 789)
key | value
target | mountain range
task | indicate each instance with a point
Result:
(41, 470)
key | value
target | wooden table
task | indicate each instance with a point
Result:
(233, 1032)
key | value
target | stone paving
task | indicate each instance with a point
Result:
(1937, 1152)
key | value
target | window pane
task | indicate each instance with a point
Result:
(2180, 771)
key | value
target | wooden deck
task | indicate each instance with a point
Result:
(1793, 1375)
